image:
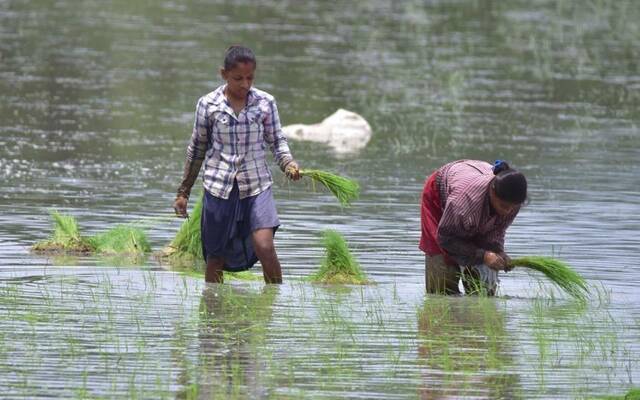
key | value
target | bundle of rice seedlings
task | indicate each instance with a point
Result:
(66, 237)
(186, 247)
(558, 272)
(345, 190)
(122, 239)
(338, 266)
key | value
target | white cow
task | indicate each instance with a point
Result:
(345, 131)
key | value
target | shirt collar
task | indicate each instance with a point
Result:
(220, 101)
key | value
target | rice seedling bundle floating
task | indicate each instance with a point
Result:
(66, 237)
(338, 266)
(558, 272)
(122, 239)
(345, 190)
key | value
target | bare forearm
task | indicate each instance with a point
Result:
(189, 176)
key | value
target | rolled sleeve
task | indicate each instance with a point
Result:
(196, 150)
(274, 137)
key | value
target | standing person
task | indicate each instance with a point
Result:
(467, 206)
(233, 126)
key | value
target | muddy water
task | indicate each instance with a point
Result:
(96, 108)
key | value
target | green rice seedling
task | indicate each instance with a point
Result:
(66, 237)
(338, 266)
(186, 247)
(345, 190)
(122, 239)
(558, 272)
(632, 394)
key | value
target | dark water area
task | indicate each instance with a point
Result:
(96, 108)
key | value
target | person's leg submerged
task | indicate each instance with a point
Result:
(441, 278)
(480, 279)
(213, 273)
(266, 252)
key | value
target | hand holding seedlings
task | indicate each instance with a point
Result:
(292, 171)
(495, 261)
(180, 207)
(507, 261)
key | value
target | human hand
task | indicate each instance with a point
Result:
(494, 261)
(180, 207)
(292, 170)
(507, 261)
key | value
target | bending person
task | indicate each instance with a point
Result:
(233, 126)
(467, 206)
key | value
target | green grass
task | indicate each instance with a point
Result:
(345, 190)
(558, 272)
(338, 266)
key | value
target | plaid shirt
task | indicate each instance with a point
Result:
(468, 225)
(233, 146)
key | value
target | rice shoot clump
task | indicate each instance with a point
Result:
(338, 266)
(345, 190)
(186, 247)
(558, 272)
(122, 239)
(66, 237)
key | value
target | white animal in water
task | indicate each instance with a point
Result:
(345, 131)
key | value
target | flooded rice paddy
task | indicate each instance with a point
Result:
(96, 108)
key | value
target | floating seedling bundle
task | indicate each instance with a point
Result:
(338, 266)
(121, 239)
(345, 190)
(66, 238)
(558, 272)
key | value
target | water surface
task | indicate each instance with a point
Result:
(96, 110)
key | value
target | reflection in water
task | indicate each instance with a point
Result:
(232, 330)
(462, 348)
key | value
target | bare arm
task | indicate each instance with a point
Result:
(195, 155)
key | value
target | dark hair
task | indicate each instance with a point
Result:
(238, 54)
(509, 184)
